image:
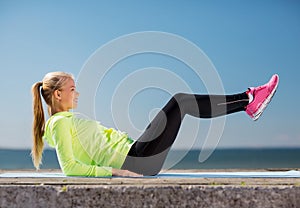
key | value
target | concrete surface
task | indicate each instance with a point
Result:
(154, 192)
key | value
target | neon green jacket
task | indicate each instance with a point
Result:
(84, 147)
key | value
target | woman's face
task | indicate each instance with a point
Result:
(69, 95)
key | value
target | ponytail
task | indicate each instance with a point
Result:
(51, 82)
(38, 125)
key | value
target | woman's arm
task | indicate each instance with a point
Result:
(125, 173)
(69, 165)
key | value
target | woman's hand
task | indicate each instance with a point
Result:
(124, 173)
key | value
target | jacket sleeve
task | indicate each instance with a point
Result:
(62, 135)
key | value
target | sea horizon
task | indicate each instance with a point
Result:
(221, 158)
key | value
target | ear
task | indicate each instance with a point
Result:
(57, 94)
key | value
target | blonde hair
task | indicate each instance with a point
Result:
(51, 82)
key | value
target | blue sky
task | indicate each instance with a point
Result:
(247, 41)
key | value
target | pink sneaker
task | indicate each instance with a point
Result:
(262, 95)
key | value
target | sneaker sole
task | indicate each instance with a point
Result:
(265, 103)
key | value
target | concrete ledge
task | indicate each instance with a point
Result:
(148, 196)
(129, 192)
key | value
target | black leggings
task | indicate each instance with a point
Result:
(148, 153)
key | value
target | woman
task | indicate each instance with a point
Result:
(86, 148)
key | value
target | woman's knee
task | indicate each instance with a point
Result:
(179, 96)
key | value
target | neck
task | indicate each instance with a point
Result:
(53, 111)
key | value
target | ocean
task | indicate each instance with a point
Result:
(280, 158)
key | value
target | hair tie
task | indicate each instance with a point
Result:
(41, 86)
